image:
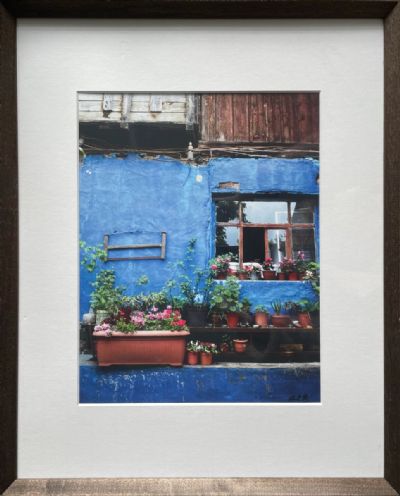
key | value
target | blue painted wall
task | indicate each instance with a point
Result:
(199, 384)
(147, 196)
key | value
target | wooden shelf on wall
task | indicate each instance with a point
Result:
(269, 357)
(255, 330)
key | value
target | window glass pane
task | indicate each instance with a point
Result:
(303, 240)
(253, 244)
(227, 240)
(277, 244)
(227, 211)
(302, 211)
(263, 212)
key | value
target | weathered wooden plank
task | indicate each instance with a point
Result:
(97, 106)
(144, 106)
(132, 117)
(202, 486)
(224, 117)
(99, 117)
(241, 117)
(302, 124)
(166, 97)
(257, 118)
(286, 119)
(315, 117)
(208, 132)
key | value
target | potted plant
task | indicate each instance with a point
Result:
(226, 344)
(106, 297)
(268, 271)
(135, 337)
(261, 316)
(225, 298)
(193, 349)
(206, 353)
(303, 308)
(300, 264)
(219, 265)
(278, 319)
(240, 345)
(245, 315)
(253, 271)
(195, 284)
(287, 266)
(242, 274)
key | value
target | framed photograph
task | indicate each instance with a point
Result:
(199, 245)
(192, 249)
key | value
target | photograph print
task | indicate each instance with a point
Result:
(199, 247)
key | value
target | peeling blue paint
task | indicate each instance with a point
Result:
(146, 197)
(198, 384)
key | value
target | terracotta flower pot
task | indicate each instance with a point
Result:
(282, 276)
(221, 276)
(242, 276)
(304, 319)
(192, 357)
(141, 348)
(261, 319)
(240, 345)
(206, 358)
(232, 319)
(280, 320)
(269, 275)
(293, 276)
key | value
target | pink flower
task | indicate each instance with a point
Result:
(214, 267)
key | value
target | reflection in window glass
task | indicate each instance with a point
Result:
(227, 211)
(263, 212)
(227, 240)
(303, 240)
(253, 244)
(302, 212)
(277, 244)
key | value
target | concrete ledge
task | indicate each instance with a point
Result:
(220, 383)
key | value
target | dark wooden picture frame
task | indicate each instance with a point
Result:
(10, 11)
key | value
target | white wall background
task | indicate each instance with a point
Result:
(342, 436)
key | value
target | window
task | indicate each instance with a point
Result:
(257, 229)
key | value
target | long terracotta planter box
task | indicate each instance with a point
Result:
(141, 348)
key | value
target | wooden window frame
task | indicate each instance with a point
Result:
(288, 226)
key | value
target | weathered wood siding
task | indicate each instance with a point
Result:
(137, 108)
(260, 117)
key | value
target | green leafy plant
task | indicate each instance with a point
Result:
(225, 297)
(302, 306)
(260, 309)
(194, 282)
(193, 346)
(106, 296)
(220, 264)
(277, 307)
(246, 305)
(90, 255)
(206, 347)
(126, 327)
(312, 274)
